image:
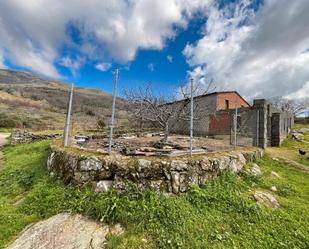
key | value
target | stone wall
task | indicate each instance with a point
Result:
(165, 174)
(21, 136)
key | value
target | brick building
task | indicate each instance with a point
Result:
(206, 106)
(214, 115)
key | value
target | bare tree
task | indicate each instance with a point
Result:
(161, 110)
(156, 109)
(291, 105)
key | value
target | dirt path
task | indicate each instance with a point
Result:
(287, 156)
(3, 137)
(296, 165)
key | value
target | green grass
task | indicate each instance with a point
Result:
(290, 147)
(219, 215)
(5, 130)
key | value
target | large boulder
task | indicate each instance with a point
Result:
(62, 231)
(266, 198)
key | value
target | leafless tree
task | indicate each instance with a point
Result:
(157, 109)
(160, 110)
(291, 105)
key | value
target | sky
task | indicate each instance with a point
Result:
(259, 48)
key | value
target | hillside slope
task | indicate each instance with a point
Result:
(27, 100)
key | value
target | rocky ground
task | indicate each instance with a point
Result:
(64, 231)
(3, 138)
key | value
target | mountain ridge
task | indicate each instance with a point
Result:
(24, 96)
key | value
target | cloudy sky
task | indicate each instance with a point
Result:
(257, 47)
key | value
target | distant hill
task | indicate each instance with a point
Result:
(28, 100)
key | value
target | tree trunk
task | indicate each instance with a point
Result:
(166, 132)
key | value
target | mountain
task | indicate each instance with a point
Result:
(28, 100)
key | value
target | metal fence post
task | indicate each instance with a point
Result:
(113, 113)
(68, 117)
(191, 119)
(235, 123)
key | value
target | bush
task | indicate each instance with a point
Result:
(6, 121)
(90, 113)
(101, 124)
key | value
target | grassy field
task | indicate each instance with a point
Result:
(289, 149)
(220, 215)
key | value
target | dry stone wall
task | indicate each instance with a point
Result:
(21, 136)
(173, 175)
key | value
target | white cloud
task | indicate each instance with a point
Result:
(34, 31)
(151, 67)
(259, 54)
(72, 65)
(103, 66)
(2, 65)
(302, 93)
(169, 58)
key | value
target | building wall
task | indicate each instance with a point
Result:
(262, 123)
(230, 97)
(203, 108)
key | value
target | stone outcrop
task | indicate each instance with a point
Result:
(298, 136)
(166, 174)
(63, 231)
(266, 198)
(256, 170)
(21, 136)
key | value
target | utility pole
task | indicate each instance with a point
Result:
(113, 112)
(67, 120)
(191, 118)
(235, 123)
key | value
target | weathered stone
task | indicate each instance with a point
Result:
(205, 164)
(104, 186)
(91, 163)
(273, 188)
(256, 170)
(187, 180)
(103, 175)
(179, 165)
(50, 161)
(63, 231)
(175, 182)
(298, 136)
(275, 174)
(170, 174)
(266, 199)
(157, 185)
(142, 164)
(237, 162)
(81, 177)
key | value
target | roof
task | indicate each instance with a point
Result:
(209, 94)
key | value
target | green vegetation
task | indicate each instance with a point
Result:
(219, 215)
(289, 148)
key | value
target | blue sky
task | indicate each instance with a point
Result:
(242, 45)
(165, 69)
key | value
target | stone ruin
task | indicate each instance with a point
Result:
(164, 174)
(22, 136)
